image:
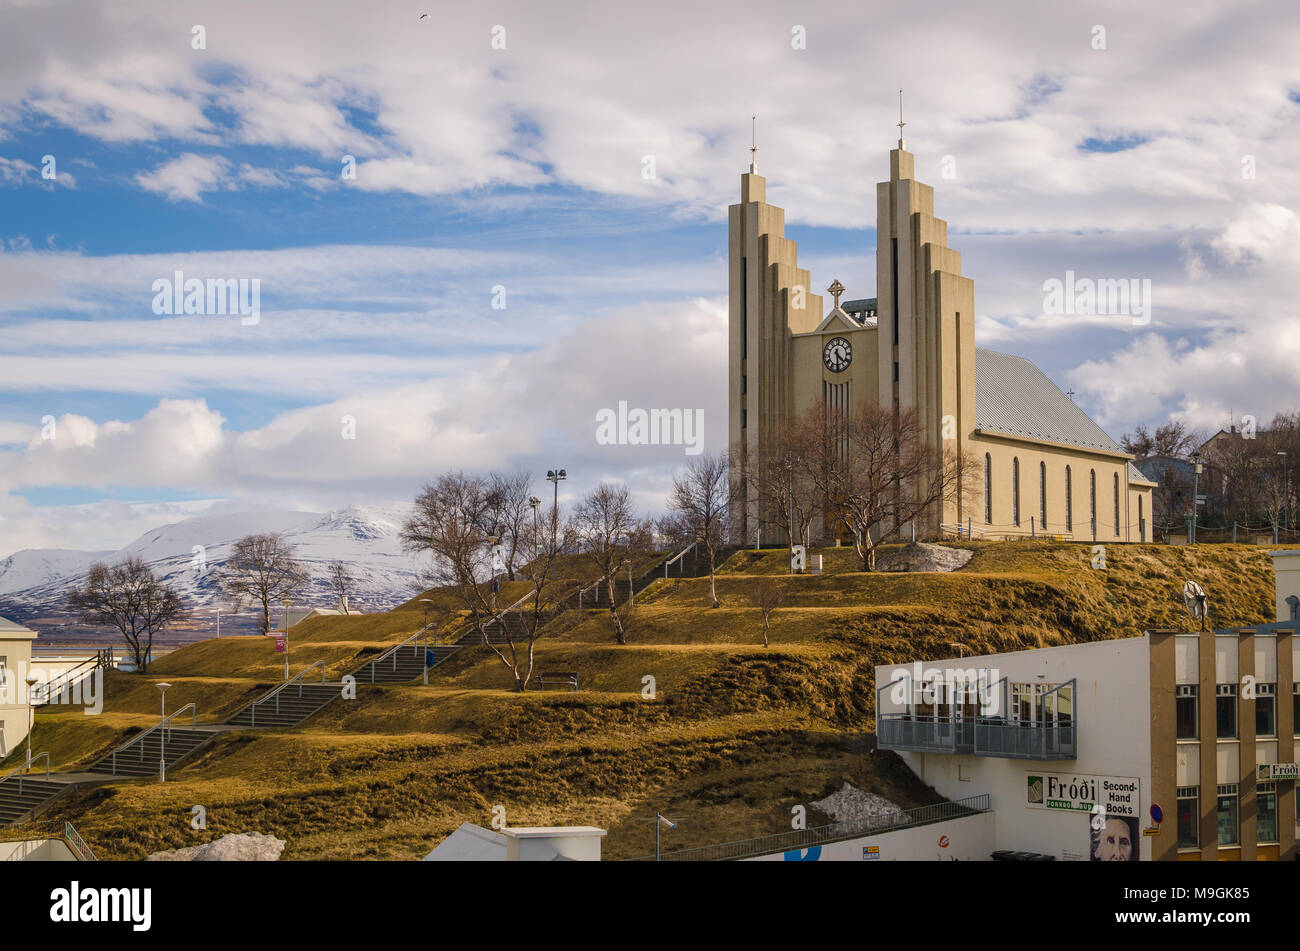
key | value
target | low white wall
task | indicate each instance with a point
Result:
(968, 839)
(36, 850)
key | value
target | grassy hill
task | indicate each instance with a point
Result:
(735, 735)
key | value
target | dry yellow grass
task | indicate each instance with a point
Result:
(735, 734)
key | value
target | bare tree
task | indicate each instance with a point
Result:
(1170, 439)
(877, 472)
(340, 583)
(448, 525)
(130, 597)
(767, 596)
(780, 483)
(261, 569)
(507, 513)
(700, 498)
(604, 522)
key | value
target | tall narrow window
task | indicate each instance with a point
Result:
(1069, 500)
(1092, 501)
(988, 489)
(1117, 505)
(744, 308)
(1189, 817)
(1226, 818)
(1015, 490)
(1042, 495)
(1142, 522)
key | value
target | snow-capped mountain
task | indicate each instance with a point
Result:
(34, 583)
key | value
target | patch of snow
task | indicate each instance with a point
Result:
(233, 847)
(925, 556)
(856, 806)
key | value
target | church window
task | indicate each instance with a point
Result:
(1015, 490)
(1069, 500)
(1042, 495)
(988, 489)
(1092, 500)
(1116, 504)
(744, 308)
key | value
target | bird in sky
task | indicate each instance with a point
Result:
(424, 16)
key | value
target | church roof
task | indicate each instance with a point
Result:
(1014, 397)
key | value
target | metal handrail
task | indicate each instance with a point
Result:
(77, 843)
(392, 652)
(824, 835)
(679, 556)
(164, 724)
(252, 707)
(46, 690)
(28, 765)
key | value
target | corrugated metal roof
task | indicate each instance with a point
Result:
(1014, 397)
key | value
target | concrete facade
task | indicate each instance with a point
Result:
(912, 346)
(15, 662)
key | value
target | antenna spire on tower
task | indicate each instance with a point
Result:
(753, 144)
(901, 144)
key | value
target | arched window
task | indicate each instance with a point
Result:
(1042, 495)
(1015, 490)
(1142, 523)
(1069, 500)
(1117, 505)
(1092, 500)
(988, 489)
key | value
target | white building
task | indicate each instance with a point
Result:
(1175, 745)
(15, 662)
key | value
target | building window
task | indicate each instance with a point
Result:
(1266, 709)
(988, 489)
(744, 418)
(1266, 813)
(1015, 490)
(1117, 505)
(744, 384)
(1295, 720)
(1142, 522)
(1069, 500)
(1225, 711)
(1092, 500)
(744, 307)
(1227, 814)
(1042, 495)
(1187, 711)
(1189, 817)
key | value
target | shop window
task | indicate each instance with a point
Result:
(1266, 813)
(1225, 711)
(1227, 814)
(1189, 817)
(1187, 711)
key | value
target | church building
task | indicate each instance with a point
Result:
(1042, 466)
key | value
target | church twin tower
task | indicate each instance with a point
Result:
(912, 346)
(1041, 466)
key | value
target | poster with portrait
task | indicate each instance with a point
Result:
(1113, 838)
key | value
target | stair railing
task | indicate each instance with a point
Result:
(66, 680)
(164, 724)
(19, 771)
(77, 844)
(678, 558)
(393, 652)
(275, 692)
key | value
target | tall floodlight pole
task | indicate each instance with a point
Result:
(1196, 496)
(31, 717)
(1286, 499)
(554, 476)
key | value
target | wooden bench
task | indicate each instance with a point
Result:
(558, 678)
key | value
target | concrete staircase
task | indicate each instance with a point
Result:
(293, 704)
(141, 756)
(23, 800)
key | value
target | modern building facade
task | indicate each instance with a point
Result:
(1041, 465)
(1170, 746)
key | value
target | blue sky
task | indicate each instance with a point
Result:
(524, 168)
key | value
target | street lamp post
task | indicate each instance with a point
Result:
(1286, 499)
(31, 716)
(162, 734)
(287, 604)
(534, 501)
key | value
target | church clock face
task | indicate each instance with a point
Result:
(838, 354)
